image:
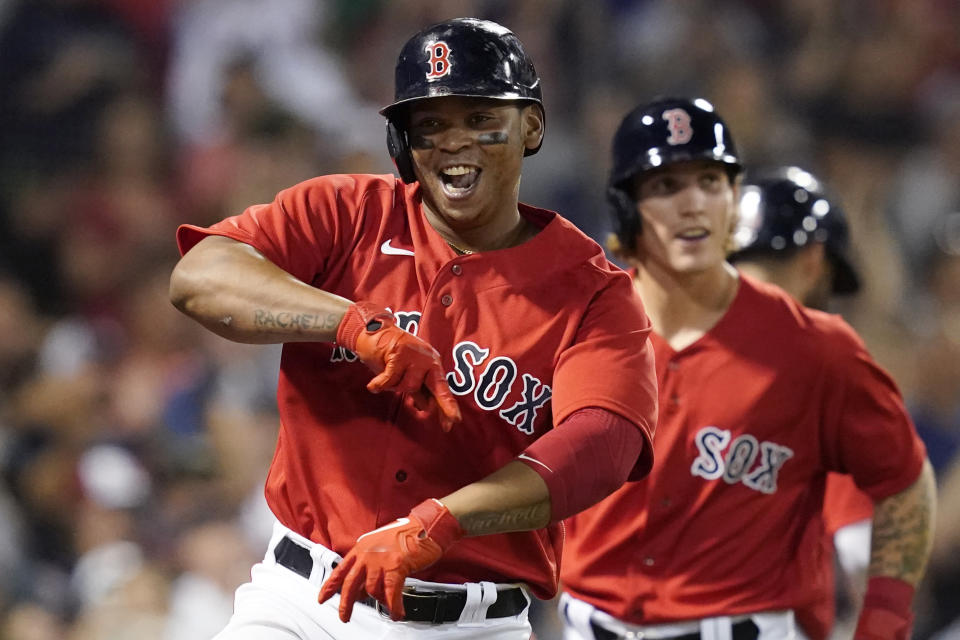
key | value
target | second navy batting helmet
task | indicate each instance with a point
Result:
(788, 208)
(459, 57)
(658, 134)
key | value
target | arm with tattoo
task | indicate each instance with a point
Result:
(903, 530)
(233, 290)
(902, 537)
(513, 498)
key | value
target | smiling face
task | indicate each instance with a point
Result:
(467, 155)
(687, 213)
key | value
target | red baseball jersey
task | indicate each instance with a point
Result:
(752, 416)
(528, 335)
(843, 504)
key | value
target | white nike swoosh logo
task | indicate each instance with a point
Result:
(393, 251)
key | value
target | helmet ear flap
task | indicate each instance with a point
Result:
(626, 220)
(398, 145)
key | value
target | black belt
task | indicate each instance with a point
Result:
(435, 607)
(743, 630)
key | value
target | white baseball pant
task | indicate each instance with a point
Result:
(280, 604)
(581, 621)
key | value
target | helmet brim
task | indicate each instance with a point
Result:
(392, 111)
(656, 159)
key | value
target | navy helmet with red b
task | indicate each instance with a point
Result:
(785, 209)
(460, 57)
(658, 134)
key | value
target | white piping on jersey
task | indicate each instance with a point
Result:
(524, 456)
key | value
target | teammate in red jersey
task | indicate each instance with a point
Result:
(759, 398)
(509, 361)
(792, 233)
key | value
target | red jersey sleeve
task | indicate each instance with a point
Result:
(871, 435)
(610, 365)
(843, 503)
(302, 230)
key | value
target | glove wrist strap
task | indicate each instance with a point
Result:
(438, 522)
(361, 317)
(886, 613)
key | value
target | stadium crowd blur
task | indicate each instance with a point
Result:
(134, 444)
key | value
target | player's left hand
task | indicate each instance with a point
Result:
(382, 559)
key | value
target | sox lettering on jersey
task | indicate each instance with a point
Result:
(495, 383)
(489, 387)
(773, 456)
(710, 442)
(744, 453)
(535, 395)
(466, 355)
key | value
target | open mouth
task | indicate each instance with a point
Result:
(458, 181)
(693, 234)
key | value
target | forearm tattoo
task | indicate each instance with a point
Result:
(903, 531)
(519, 519)
(266, 319)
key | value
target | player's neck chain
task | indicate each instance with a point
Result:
(519, 235)
(458, 250)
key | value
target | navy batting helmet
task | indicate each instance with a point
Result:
(658, 134)
(459, 57)
(788, 208)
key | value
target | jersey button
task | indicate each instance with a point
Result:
(673, 366)
(674, 399)
(401, 475)
(457, 270)
(446, 300)
(648, 561)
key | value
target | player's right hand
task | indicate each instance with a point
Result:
(403, 362)
(382, 559)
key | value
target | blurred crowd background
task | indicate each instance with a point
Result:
(134, 445)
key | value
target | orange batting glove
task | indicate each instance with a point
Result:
(382, 559)
(403, 362)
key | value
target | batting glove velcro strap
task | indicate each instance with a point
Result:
(886, 613)
(361, 317)
(401, 361)
(382, 559)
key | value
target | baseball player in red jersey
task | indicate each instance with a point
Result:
(460, 371)
(759, 398)
(793, 234)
